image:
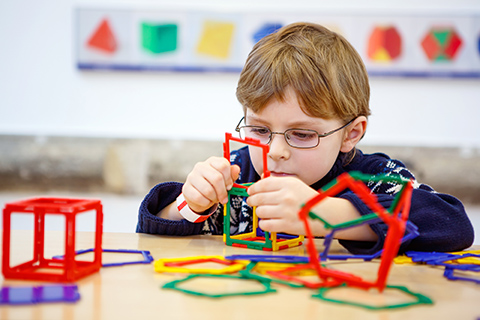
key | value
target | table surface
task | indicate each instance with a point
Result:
(134, 291)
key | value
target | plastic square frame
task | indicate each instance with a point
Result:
(257, 238)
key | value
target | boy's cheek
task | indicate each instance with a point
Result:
(257, 160)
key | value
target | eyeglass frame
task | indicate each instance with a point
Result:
(323, 135)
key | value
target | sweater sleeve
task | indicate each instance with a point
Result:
(442, 222)
(158, 198)
(165, 193)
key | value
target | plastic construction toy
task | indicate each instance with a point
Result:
(450, 275)
(264, 258)
(395, 218)
(411, 232)
(147, 257)
(176, 285)
(450, 262)
(39, 294)
(295, 274)
(59, 270)
(460, 261)
(177, 265)
(403, 260)
(467, 261)
(255, 270)
(262, 267)
(419, 299)
(256, 239)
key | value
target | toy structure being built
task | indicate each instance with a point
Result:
(256, 239)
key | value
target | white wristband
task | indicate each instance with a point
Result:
(188, 214)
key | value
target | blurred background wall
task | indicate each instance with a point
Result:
(66, 129)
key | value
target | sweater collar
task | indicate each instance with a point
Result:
(338, 168)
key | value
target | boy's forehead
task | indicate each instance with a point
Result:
(298, 119)
(290, 97)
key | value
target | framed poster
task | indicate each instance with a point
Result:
(389, 44)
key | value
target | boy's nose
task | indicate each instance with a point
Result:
(279, 148)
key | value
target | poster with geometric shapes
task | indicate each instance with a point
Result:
(390, 44)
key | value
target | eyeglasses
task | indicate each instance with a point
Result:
(296, 138)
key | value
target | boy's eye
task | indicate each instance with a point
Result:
(302, 135)
(260, 131)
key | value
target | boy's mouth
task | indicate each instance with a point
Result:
(280, 174)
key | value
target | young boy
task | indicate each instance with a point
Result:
(305, 92)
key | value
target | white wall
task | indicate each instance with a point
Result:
(42, 92)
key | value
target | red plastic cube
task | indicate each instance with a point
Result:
(40, 268)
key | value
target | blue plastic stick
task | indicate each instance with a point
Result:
(439, 258)
(450, 275)
(147, 257)
(411, 231)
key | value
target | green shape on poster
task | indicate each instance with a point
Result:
(442, 36)
(159, 38)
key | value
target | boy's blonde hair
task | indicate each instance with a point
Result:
(325, 71)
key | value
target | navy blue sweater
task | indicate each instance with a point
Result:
(441, 219)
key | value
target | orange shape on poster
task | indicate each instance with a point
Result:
(384, 44)
(103, 38)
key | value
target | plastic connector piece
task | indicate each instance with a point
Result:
(38, 294)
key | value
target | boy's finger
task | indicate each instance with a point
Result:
(221, 179)
(234, 174)
(271, 225)
(257, 187)
(196, 199)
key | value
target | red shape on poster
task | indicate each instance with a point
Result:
(441, 44)
(103, 38)
(455, 43)
(393, 42)
(384, 44)
(430, 47)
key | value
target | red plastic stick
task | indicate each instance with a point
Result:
(396, 228)
(247, 141)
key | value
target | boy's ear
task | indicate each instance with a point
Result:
(353, 133)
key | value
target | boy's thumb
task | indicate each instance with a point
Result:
(234, 172)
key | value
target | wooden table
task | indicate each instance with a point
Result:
(134, 292)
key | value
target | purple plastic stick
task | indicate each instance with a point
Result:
(39, 294)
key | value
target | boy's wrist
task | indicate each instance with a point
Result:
(190, 215)
(170, 212)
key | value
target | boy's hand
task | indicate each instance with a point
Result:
(278, 200)
(208, 183)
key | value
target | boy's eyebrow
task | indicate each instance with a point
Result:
(297, 124)
(253, 118)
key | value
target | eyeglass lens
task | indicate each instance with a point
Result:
(300, 138)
